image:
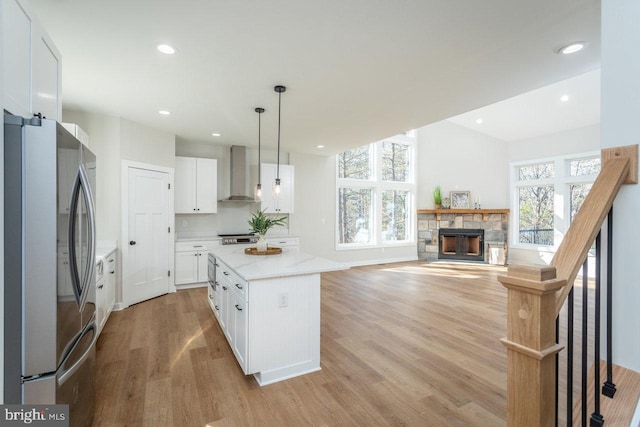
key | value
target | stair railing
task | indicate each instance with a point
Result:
(536, 294)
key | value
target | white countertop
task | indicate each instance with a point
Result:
(291, 262)
(195, 238)
(104, 248)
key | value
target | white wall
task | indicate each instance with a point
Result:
(568, 142)
(621, 126)
(143, 144)
(315, 204)
(315, 215)
(573, 141)
(457, 158)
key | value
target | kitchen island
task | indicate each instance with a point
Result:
(268, 307)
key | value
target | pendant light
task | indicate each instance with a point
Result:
(258, 195)
(277, 188)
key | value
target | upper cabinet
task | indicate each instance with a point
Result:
(282, 203)
(31, 64)
(196, 185)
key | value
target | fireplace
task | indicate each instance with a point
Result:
(461, 244)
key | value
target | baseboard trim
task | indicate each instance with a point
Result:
(380, 261)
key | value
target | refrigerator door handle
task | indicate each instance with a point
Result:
(81, 187)
(68, 373)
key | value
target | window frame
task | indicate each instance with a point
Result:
(378, 186)
(561, 182)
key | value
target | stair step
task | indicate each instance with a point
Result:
(617, 412)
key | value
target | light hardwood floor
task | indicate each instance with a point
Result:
(410, 344)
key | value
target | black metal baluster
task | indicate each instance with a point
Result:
(585, 326)
(597, 419)
(570, 358)
(609, 388)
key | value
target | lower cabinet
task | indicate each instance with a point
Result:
(101, 304)
(234, 311)
(110, 283)
(191, 261)
(239, 344)
(106, 291)
(226, 315)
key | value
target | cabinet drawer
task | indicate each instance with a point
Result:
(283, 241)
(199, 245)
(111, 263)
(231, 279)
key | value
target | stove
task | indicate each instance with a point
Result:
(236, 239)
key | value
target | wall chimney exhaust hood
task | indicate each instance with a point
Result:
(238, 179)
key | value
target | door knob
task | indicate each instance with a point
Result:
(132, 242)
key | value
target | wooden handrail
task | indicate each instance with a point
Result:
(575, 246)
(536, 294)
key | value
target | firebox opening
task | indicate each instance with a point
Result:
(461, 244)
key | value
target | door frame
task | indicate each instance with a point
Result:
(124, 228)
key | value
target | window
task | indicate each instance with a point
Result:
(375, 190)
(547, 195)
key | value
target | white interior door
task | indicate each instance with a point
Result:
(146, 259)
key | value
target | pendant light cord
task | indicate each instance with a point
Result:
(259, 164)
(278, 166)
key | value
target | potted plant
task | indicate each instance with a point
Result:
(261, 223)
(437, 197)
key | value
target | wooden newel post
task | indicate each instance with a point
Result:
(531, 345)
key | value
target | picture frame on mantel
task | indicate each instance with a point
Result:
(460, 199)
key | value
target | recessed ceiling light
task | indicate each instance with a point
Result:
(164, 112)
(215, 134)
(564, 98)
(165, 48)
(572, 48)
(479, 121)
(319, 146)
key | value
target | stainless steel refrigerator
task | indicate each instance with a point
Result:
(50, 240)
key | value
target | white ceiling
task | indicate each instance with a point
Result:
(356, 71)
(540, 111)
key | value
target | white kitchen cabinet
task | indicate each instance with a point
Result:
(196, 185)
(31, 64)
(186, 267)
(272, 203)
(45, 83)
(110, 283)
(233, 311)
(105, 288)
(191, 261)
(283, 241)
(101, 304)
(240, 329)
(223, 318)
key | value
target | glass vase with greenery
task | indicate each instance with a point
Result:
(261, 223)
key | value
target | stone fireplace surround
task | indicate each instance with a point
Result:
(494, 222)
